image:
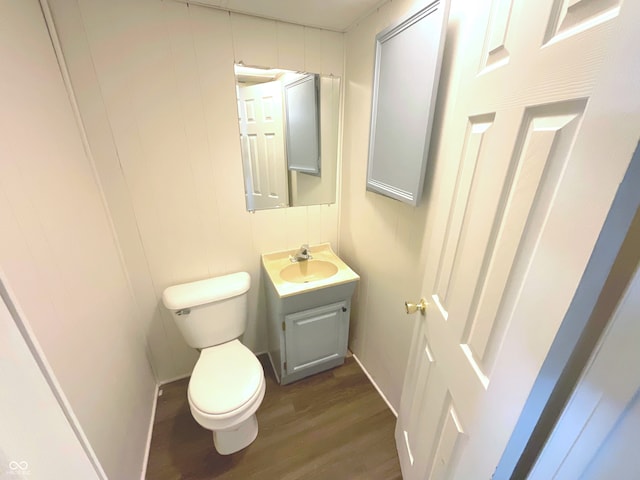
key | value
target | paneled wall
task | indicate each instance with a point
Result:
(59, 253)
(382, 239)
(155, 84)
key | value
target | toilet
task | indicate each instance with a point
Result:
(227, 384)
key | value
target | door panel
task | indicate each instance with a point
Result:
(477, 129)
(570, 17)
(541, 152)
(488, 221)
(496, 50)
(429, 453)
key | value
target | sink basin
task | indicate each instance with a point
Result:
(308, 271)
(324, 270)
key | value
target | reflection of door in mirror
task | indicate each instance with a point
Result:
(262, 142)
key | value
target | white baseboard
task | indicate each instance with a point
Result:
(393, 410)
(150, 434)
(173, 379)
(273, 368)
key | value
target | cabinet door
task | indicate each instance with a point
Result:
(315, 337)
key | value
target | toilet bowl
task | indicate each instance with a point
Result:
(225, 390)
(227, 383)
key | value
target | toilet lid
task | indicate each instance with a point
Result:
(226, 377)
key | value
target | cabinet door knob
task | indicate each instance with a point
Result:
(421, 306)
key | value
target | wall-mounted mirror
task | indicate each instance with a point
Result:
(288, 123)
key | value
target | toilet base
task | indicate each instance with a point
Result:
(234, 440)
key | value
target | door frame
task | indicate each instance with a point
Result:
(602, 285)
(8, 299)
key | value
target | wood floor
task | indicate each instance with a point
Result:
(331, 426)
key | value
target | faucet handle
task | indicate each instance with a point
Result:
(303, 253)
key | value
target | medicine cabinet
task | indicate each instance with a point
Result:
(407, 69)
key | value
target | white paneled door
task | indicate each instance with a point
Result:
(532, 150)
(263, 145)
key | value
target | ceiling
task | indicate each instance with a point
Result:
(336, 15)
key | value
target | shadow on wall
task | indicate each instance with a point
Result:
(438, 118)
(384, 240)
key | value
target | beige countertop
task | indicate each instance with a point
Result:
(275, 262)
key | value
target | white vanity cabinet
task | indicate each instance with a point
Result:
(308, 322)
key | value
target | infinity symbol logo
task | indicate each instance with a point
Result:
(13, 465)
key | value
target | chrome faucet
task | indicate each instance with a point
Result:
(302, 254)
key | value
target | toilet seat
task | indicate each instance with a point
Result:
(226, 387)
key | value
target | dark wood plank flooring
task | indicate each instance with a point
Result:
(331, 426)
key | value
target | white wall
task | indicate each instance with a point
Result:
(59, 252)
(155, 84)
(382, 239)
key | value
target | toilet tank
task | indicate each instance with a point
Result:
(212, 311)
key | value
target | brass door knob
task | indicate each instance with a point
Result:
(421, 306)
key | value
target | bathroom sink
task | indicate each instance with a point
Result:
(308, 271)
(324, 269)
